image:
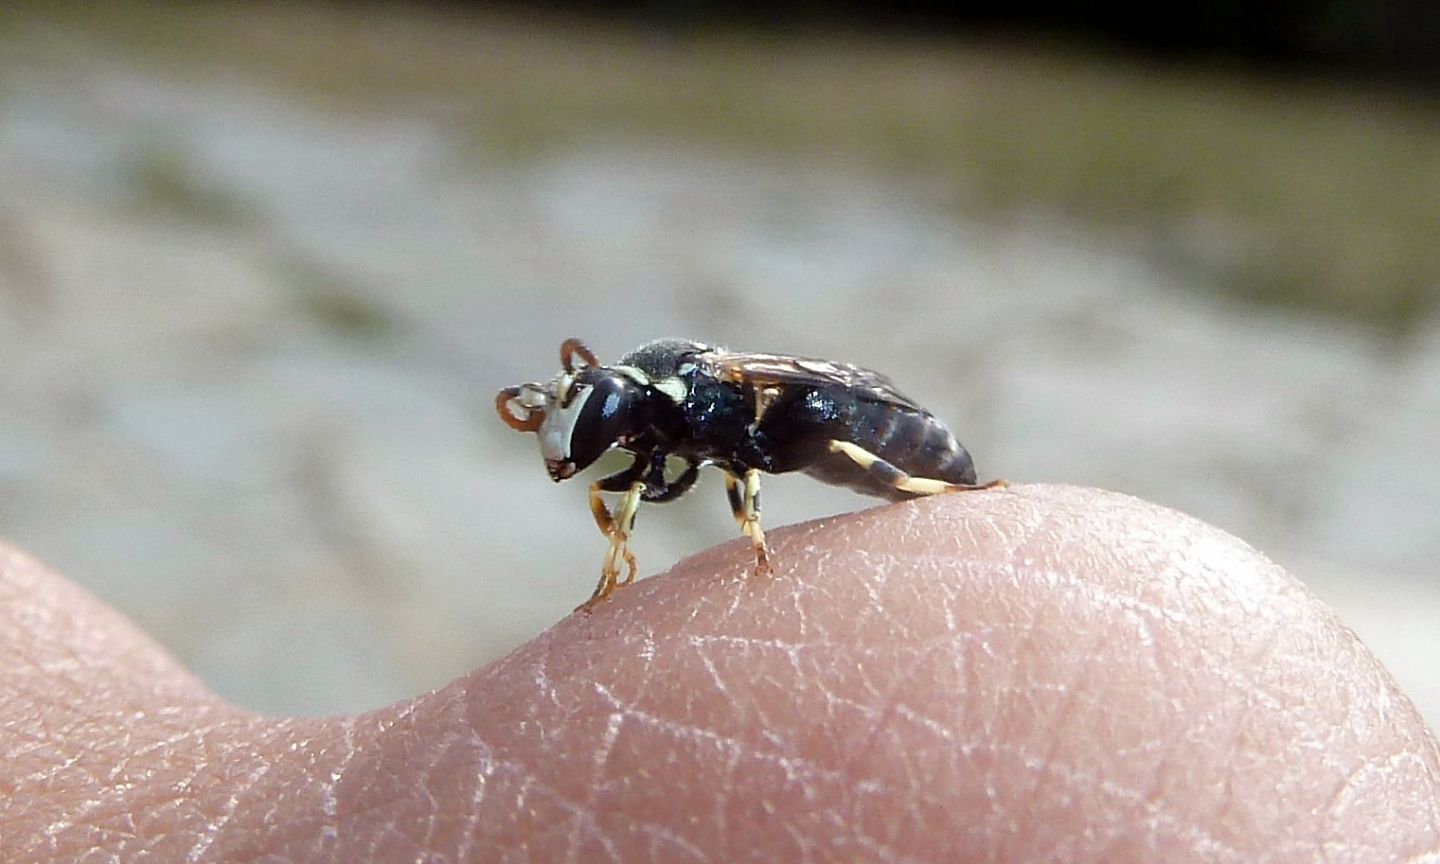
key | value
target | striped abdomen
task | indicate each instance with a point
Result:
(910, 440)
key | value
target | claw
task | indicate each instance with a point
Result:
(762, 561)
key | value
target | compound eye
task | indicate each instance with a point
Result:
(602, 420)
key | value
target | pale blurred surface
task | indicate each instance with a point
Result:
(250, 342)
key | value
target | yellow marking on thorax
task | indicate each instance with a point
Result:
(634, 373)
(673, 387)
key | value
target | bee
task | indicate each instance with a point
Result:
(746, 414)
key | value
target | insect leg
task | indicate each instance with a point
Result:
(618, 482)
(620, 540)
(616, 528)
(750, 514)
(737, 504)
(658, 490)
(894, 477)
(621, 525)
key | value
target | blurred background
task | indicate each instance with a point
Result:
(263, 267)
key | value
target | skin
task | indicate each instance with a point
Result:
(1040, 674)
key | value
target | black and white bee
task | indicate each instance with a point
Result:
(746, 414)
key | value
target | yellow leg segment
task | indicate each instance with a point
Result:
(624, 524)
(617, 528)
(600, 511)
(902, 481)
(744, 498)
(737, 502)
(750, 502)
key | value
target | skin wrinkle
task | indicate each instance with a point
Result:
(1150, 796)
(893, 704)
(795, 768)
(579, 817)
(796, 772)
(212, 829)
(1235, 638)
(529, 783)
(872, 581)
(429, 804)
(427, 764)
(1062, 716)
(472, 823)
(1202, 840)
(602, 759)
(1142, 611)
(1024, 649)
(108, 802)
(330, 835)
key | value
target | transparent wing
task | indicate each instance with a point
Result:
(779, 369)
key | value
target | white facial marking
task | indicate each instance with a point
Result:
(674, 388)
(562, 385)
(559, 425)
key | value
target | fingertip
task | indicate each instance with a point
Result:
(1012, 673)
(58, 640)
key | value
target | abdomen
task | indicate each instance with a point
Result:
(913, 441)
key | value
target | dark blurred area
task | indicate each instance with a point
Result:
(1397, 40)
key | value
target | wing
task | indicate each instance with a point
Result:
(779, 369)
